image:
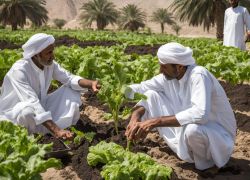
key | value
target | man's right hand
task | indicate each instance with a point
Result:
(130, 127)
(58, 132)
(138, 111)
(64, 134)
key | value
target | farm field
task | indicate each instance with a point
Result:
(118, 59)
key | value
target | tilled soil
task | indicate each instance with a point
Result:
(92, 120)
(142, 49)
(57, 144)
(63, 40)
(69, 41)
(8, 45)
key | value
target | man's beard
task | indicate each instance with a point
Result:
(43, 63)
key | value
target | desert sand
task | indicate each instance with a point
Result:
(70, 11)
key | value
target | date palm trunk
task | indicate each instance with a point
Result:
(220, 8)
(162, 28)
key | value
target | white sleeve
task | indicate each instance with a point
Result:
(156, 84)
(25, 93)
(66, 78)
(200, 100)
(247, 19)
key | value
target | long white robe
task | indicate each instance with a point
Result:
(24, 91)
(236, 22)
(200, 105)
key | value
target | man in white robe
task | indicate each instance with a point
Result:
(236, 25)
(188, 107)
(24, 99)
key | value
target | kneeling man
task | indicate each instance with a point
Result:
(24, 99)
(188, 107)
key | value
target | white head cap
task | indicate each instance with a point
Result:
(175, 53)
(36, 44)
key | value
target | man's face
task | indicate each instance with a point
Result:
(46, 57)
(170, 71)
(234, 3)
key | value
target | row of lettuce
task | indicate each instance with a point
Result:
(127, 38)
(230, 64)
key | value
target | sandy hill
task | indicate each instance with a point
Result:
(70, 11)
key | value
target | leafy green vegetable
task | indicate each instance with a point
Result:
(80, 135)
(124, 165)
(20, 156)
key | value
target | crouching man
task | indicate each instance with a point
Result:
(188, 107)
(24, 99)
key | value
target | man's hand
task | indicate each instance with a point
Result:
(134, 123)
(95, 86)
(56, 131)
(90, 84)
(130, 126)
(139, 130)
(64, 134)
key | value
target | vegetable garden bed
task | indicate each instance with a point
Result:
(92, 121)
(117, 65)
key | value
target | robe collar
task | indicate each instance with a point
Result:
(186, 75)
(37, 69)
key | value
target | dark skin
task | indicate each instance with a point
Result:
(45, 58)
(234, 3)
(139, 130)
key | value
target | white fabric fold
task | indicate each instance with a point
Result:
(36, 44)
(175, 53)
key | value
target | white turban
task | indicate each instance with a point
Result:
(175, 53)
(36, 44)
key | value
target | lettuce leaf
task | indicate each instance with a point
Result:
(125, 165)
(20, 156)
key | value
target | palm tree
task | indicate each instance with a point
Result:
(15, 12)
(101, 11)
(204, 12)
(162, 16)
(132, 17)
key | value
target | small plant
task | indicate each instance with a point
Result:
(59, 23)
(81, 135)
(176, 28)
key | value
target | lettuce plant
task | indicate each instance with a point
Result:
(121, 164)
(20, 155)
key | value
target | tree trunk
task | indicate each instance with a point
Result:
(99, 24)
(162, 28)
(14, 27)
(220, 8)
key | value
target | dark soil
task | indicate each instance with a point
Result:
(142, 49)
(69, 41)
(8, 45)
(63, 40)
(239, 95)
(57, 144)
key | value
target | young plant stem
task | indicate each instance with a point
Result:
(115, 116)
(128, 145)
